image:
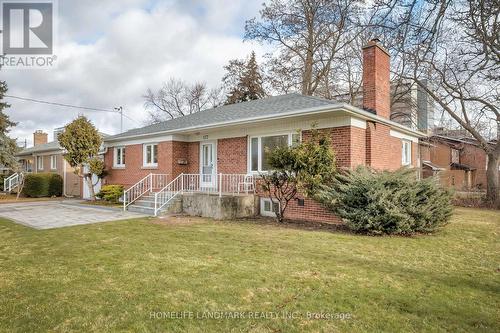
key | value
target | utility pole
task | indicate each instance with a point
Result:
(120, 110)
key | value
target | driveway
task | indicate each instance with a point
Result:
(58, 214)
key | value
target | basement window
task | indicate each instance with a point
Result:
(268, 207)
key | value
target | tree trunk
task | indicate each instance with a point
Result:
(88, 178)
(493, 189)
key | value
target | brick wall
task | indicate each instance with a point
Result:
(232, 155)
(134, 170)
(475, 157)
(471, 155)
(383, 151)
(348, 144)
(193, 157)
(376, 79)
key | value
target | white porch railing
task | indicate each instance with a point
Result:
(210, 184)
(12, 182)
(147, 184)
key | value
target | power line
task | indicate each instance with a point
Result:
(60, 104)
(117, 110)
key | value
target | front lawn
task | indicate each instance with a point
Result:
(130, 276)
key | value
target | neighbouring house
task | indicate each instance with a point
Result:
(48, 157)
(223, 150)
(459, 162)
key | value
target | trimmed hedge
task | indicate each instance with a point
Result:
(2, 177)
(55, 185)
(110, 193)
(40, 185)
(386, 202)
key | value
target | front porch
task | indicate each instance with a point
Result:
(218, 196)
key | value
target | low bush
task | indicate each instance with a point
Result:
(2, 178)
(55, 185)
(37, 185)
(387, 202)
(110, 193)
(43, 185)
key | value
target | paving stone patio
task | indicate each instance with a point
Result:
(50, 215)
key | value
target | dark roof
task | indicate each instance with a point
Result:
(263, 107)
(432, 166)
(50, 146)
(459, 166)
(54, 145)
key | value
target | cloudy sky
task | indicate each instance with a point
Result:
(109, 52)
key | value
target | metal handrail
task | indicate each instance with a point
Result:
(210, 184)
(12, 181)
(146, 184)
(169, 192)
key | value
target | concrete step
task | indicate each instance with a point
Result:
(142, 210)
(145, 205)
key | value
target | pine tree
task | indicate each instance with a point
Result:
(8, 146)
(249, 86)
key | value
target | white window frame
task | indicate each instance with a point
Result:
(39, 163)
(144, 155)
(119, 151)
(53, 162)
(406, 158)
(259, 149)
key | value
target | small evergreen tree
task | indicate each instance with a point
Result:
(301, 168)
(8, 146)
(249, 81)
(82, 141)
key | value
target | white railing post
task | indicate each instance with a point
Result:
(124, 201)
(220, 185)
(156, 201)
(182, 183)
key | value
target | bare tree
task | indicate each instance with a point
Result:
(308, 35)
(177, 98)
(455, 45)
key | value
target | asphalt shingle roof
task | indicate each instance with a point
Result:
(54, 145)
(263, 107)
(50, 146)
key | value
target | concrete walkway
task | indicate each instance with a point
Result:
(58, 214)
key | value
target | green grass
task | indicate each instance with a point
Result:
(112, 276)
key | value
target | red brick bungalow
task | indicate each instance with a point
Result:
(232, 139)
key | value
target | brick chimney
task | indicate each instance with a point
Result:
(39, 138)
(376, 79)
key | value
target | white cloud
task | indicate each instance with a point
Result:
(111, 53)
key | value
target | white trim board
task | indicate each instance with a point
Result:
(404, 136)
(341, 108)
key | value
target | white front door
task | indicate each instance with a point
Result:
(207, 164)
